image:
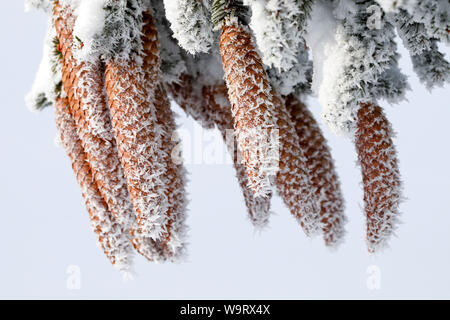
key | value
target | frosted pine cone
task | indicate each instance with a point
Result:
(381, 176)
(321, 170)
(83, 84)
(131, 101)
(216, 101)
(190, 99)
(174, 178)
(252, 106)
(173, 243)
(293, 180)
(111, 236)
(144, 125)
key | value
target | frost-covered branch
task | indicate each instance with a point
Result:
(278, 26)
(428, 62)
(297, 79)
(350, 57)
(108, 28)
(433, 14)
(191, 24)
(47, 85)
(231, 9)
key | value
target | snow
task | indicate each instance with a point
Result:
(277, 28)
(172, 63)
(352, 61)
(107, 29)
(191, 24)
(328, 57)
(89, 25)
(320, 38)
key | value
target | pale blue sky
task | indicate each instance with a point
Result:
(46, 227)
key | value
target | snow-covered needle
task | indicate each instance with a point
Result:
(429, 63)
(278, 26)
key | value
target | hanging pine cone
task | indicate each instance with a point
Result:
(216, 102)
(381, 176)
(190, 99)
(321, 170)
(83, 84)
(131, 97)
(143, 124)
(173, 242)
(252, 105)
(293, 180)
(111, 236)
(174, 179)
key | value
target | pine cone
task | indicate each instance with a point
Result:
(252, 105)
(174, 176)
(190, 100)
(218, 107)
(143, 125)
(380, 172)
(321, 170)
(111, 236)
(83, 84)
(293, 180)
(131, 98)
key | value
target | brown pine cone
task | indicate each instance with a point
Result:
(144, 126)
(252, 105)
(293, 181)
(219, 109)
(190, 99)
(380, 172)
(174, 177)
(83, 84)
(112, 237)
(320, 165)
(131, 101)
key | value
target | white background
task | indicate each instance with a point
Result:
(45, 228)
